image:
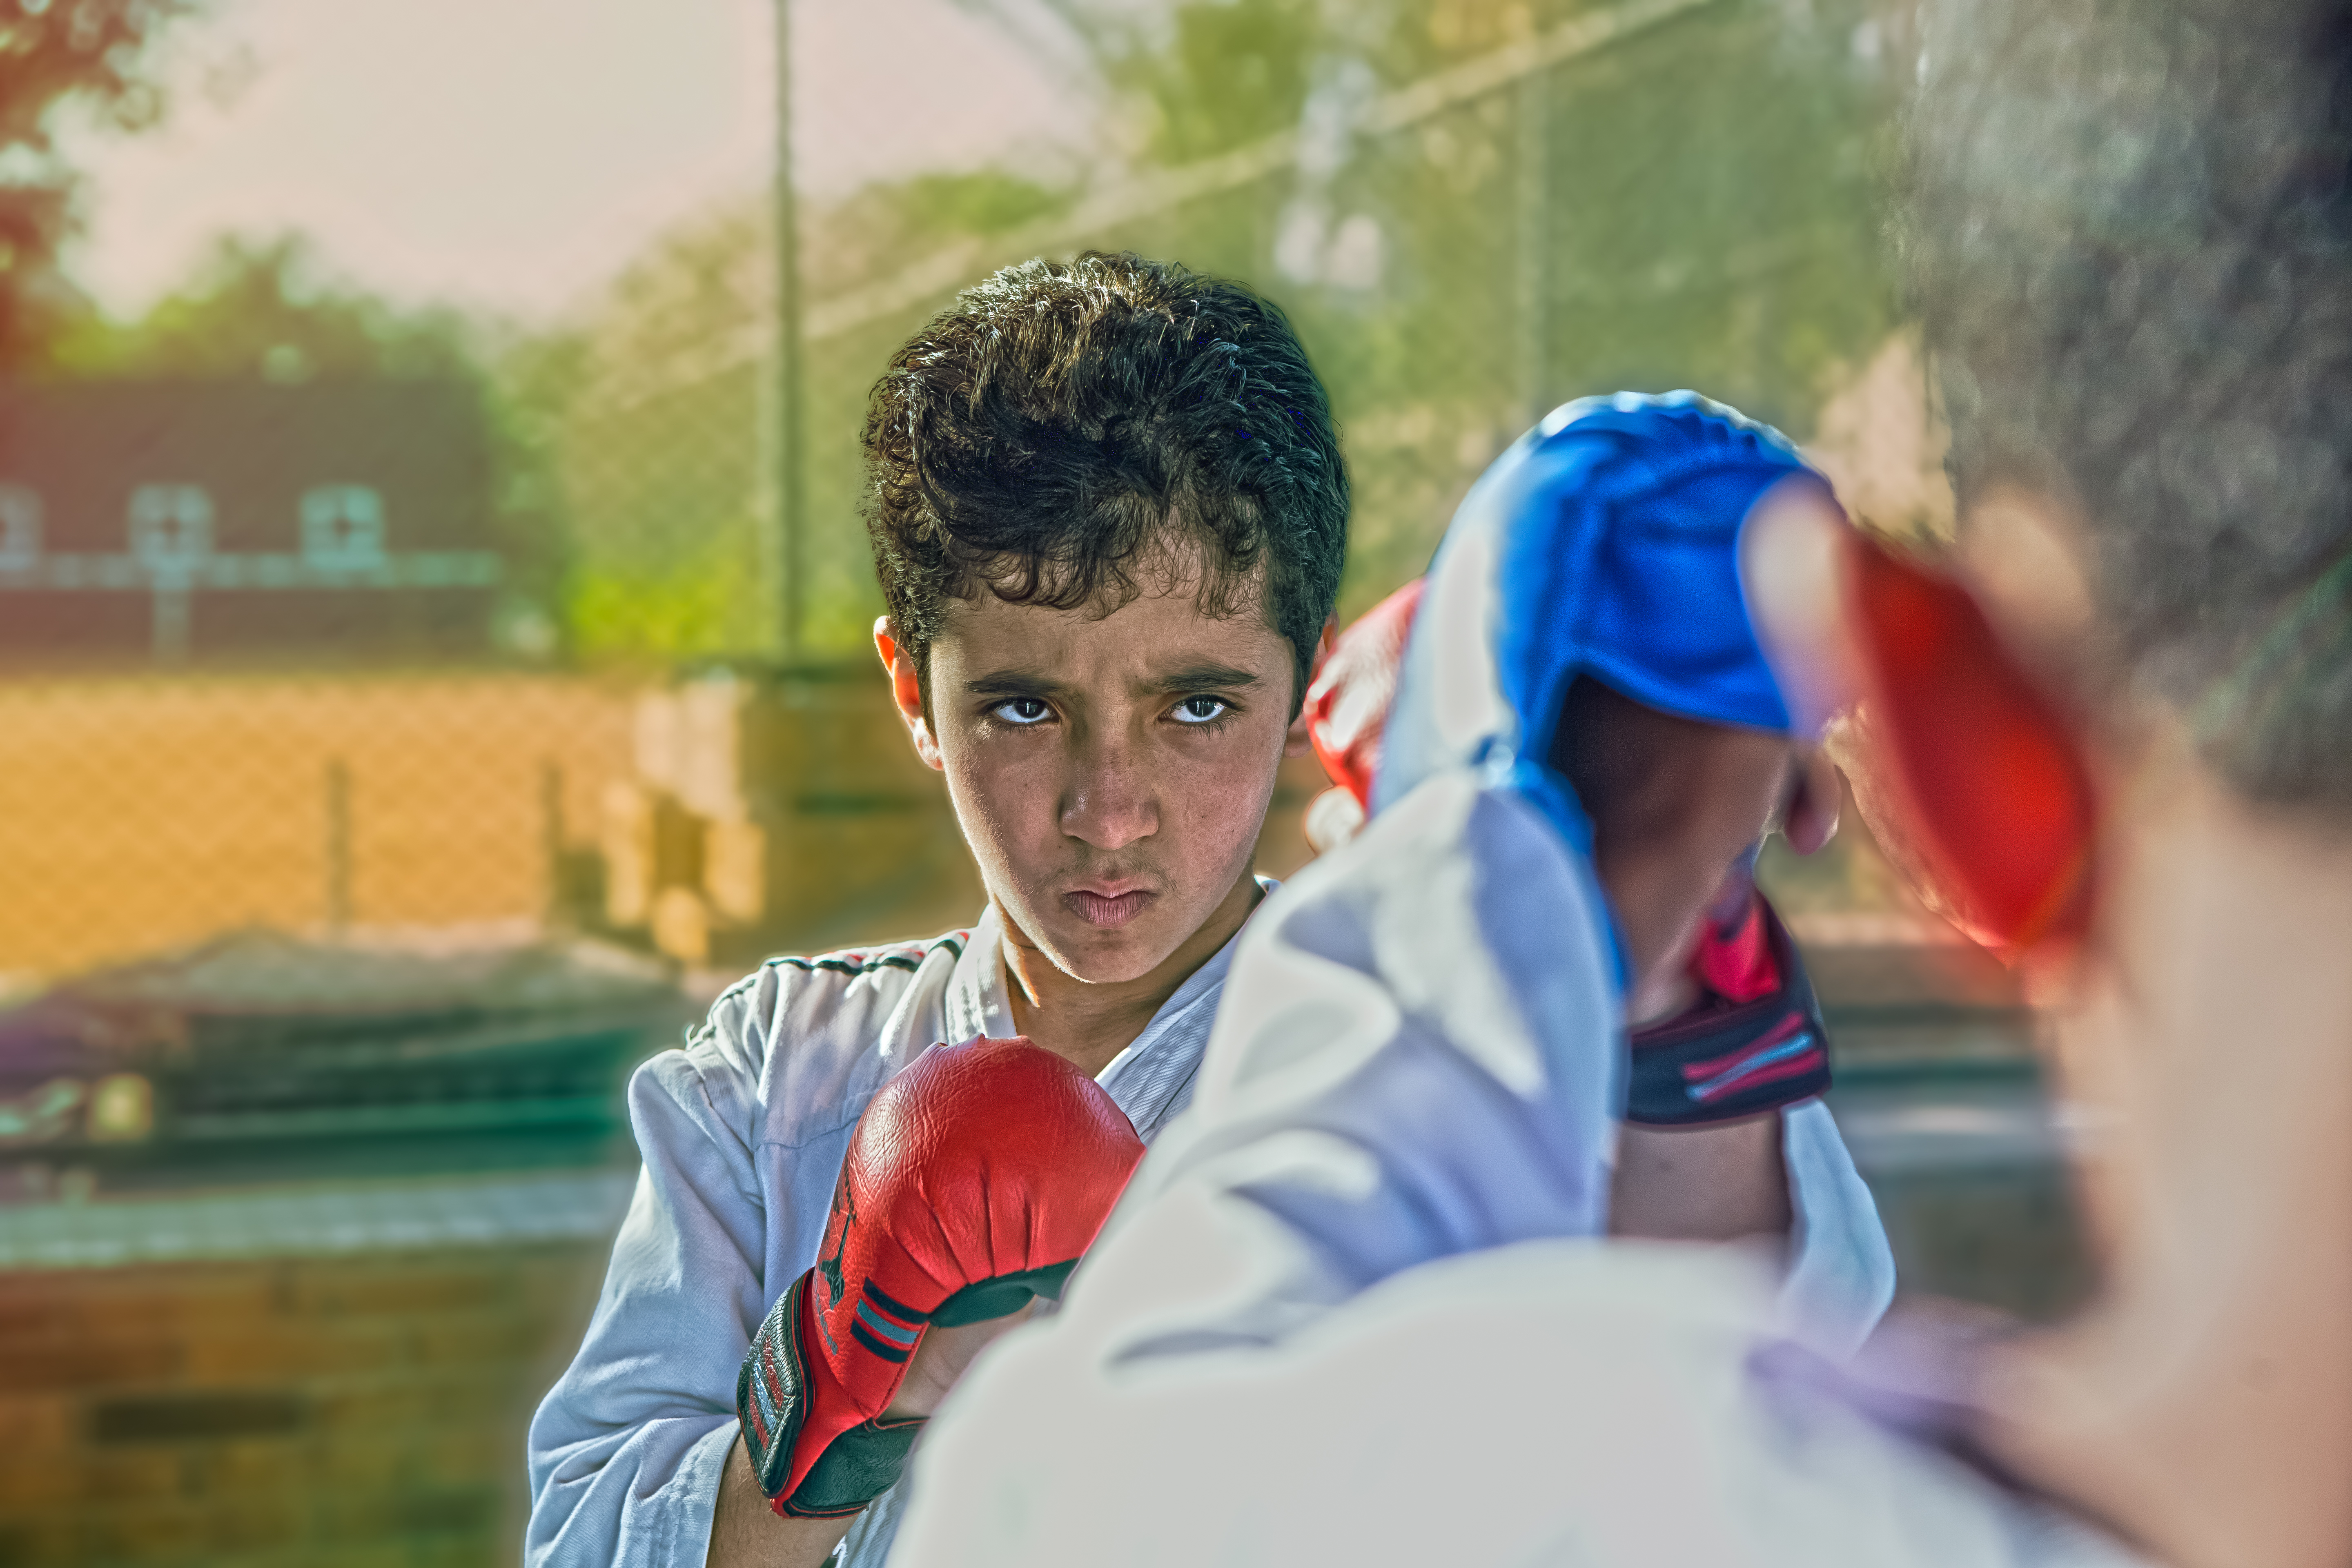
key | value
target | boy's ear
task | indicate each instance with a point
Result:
(1294, 742)
(906, 692)
(1811, 818)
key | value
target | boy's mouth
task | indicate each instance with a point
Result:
(1107, 910)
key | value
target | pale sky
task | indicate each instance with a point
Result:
(514, 153)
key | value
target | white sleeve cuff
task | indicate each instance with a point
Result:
(1841, 1276)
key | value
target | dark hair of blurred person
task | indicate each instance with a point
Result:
(1041, 440)
(2131, 245)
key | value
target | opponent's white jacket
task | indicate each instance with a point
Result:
(1419, 1056)
(1549, 1405)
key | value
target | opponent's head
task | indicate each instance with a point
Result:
(2131, 245)
(1109, 513)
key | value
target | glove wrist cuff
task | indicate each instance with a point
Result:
(1717, 1064)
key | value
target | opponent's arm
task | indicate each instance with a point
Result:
(1729, 1040)
(1701, 1184)
(746, 1532)
(1726, 1135)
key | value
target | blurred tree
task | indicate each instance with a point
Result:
(1229, 74)
(92, 55)
(881, 226)
(1692, 205)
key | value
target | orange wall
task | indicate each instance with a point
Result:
(139, 813)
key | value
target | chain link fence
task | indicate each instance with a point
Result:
(207, 723)
(1651, 193)
(370, 798)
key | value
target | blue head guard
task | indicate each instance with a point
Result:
(1604, 542)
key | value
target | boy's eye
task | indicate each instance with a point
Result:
(1022, 711)
(1201, 709)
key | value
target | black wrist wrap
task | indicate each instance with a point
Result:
(772, 1396)
(1719, 1062)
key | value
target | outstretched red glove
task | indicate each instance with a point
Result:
(974, 1180)
(1347, 706)
(1975, 782)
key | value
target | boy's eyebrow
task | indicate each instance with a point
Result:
(1012, 683)
(1207, 675)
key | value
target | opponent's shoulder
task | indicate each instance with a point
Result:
(783, 1040)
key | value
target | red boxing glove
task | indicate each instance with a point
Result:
(1977, 788)
(1348, 705)
(974, 1180)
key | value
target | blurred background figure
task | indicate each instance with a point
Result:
(433, 611)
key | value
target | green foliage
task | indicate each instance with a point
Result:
(678, 605)
(1229, 74)
(88, 54)
(1692, 206)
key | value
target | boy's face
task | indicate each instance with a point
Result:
(1111, 772)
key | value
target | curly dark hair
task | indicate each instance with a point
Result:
(2130, 243)
(1044, 437)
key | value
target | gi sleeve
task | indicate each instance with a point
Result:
(627, 1450)
(1840, 1277)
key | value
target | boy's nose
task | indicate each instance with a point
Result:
(1106, 803)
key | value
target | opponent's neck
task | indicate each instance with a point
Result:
(2203, 1405)
(1090, 1022)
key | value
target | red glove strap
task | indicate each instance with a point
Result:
(1735, 961)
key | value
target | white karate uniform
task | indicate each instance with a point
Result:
(1548, 1405)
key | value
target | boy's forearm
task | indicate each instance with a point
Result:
(747, 1532)
(1701, 1184)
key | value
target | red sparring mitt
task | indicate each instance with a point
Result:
(1348, 705)
(1972, 781)
(974, 1180)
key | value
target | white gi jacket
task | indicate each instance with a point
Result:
(743, 1132)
